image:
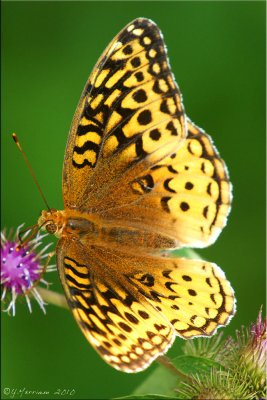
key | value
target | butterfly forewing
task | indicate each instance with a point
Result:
(130, 108)
(185, 196)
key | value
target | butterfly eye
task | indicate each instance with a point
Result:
(51, 227)
(71, 224)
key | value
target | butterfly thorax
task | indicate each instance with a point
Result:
(66, 223)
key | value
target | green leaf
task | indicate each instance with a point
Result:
(187, 253)
(160, 381)
(163, 382)
(190, 365)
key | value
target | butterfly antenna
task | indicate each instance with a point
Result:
(33, 229)
(16, 140)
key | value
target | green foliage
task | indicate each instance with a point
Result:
(160, 381)
(216, 385)
(212, 368)
(145, 397)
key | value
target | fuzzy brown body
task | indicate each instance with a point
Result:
(90, 230)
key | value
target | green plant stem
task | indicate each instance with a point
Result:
(54, 298)
(166, 362)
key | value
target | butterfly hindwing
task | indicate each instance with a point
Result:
(193, 295)
(119, 323)
(130, 307)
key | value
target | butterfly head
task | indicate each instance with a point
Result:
(53, 221)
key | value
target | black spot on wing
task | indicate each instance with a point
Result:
(155, 134)
(167, 187)
(140, 96)
(164, 203)
(184, 206)
(145, 117)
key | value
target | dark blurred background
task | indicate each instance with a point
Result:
(217, 53)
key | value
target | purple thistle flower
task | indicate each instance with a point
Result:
(21, 269)
(257, 345)
(251, 350)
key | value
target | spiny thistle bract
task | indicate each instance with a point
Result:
(241, 371)
(216, 385)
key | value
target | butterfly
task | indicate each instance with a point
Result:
(139, 180)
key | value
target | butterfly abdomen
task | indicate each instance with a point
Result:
(95, 231)
(143, 239)
(91, 230)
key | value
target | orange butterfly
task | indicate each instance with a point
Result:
(139, 179)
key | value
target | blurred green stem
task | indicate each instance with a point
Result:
(166, 362)
(54, 298)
